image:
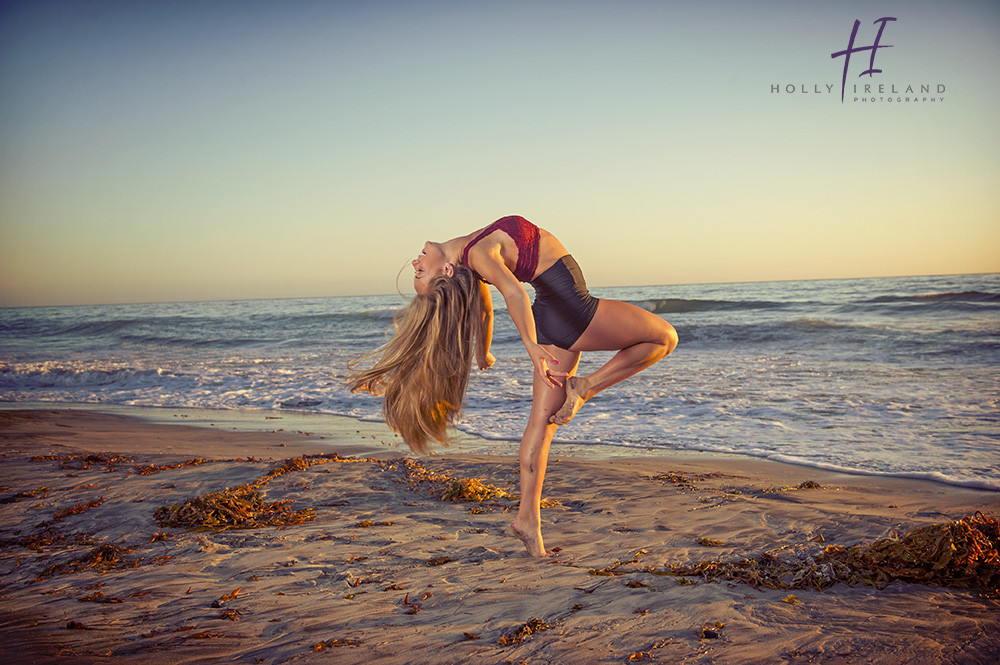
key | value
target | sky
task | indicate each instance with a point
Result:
(199, 150)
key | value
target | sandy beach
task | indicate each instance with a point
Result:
(364, 562)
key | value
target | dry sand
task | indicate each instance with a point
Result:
(387, 573)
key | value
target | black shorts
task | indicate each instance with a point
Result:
(563, 307)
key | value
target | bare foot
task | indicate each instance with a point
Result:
(574, 400)
(532, 541)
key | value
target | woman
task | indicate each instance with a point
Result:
(424, 370)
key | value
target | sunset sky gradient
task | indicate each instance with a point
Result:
(182, 150)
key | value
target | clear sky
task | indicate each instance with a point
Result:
(155, 150)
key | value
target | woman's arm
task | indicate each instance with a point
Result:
(484, 333)
(489, 264)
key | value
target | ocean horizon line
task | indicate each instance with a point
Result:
(249, 299)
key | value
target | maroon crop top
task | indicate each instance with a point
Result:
(525, 236)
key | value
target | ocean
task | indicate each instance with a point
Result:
(894, 376)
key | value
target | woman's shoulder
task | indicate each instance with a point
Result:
(474, 242)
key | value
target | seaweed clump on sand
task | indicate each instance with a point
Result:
(448, 488)
(102, 559)
(519, 634)
(240, 507)
(963, 554)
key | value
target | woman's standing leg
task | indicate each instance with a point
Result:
(641, 339)
(534, 452)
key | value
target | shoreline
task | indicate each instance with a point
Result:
(386, 571)
(330, 428)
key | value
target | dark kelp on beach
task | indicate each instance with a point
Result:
(240, 507)
(964, 554)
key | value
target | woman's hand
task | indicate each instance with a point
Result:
(487, 361)
(540, 358)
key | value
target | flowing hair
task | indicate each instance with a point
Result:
(423, 370)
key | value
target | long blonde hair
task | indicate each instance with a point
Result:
(423, 370)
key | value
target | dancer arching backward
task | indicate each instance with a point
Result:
(424, 369)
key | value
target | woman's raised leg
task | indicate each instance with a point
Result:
(534, 452)
(641, 339)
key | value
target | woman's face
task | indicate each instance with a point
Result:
(427, 266)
